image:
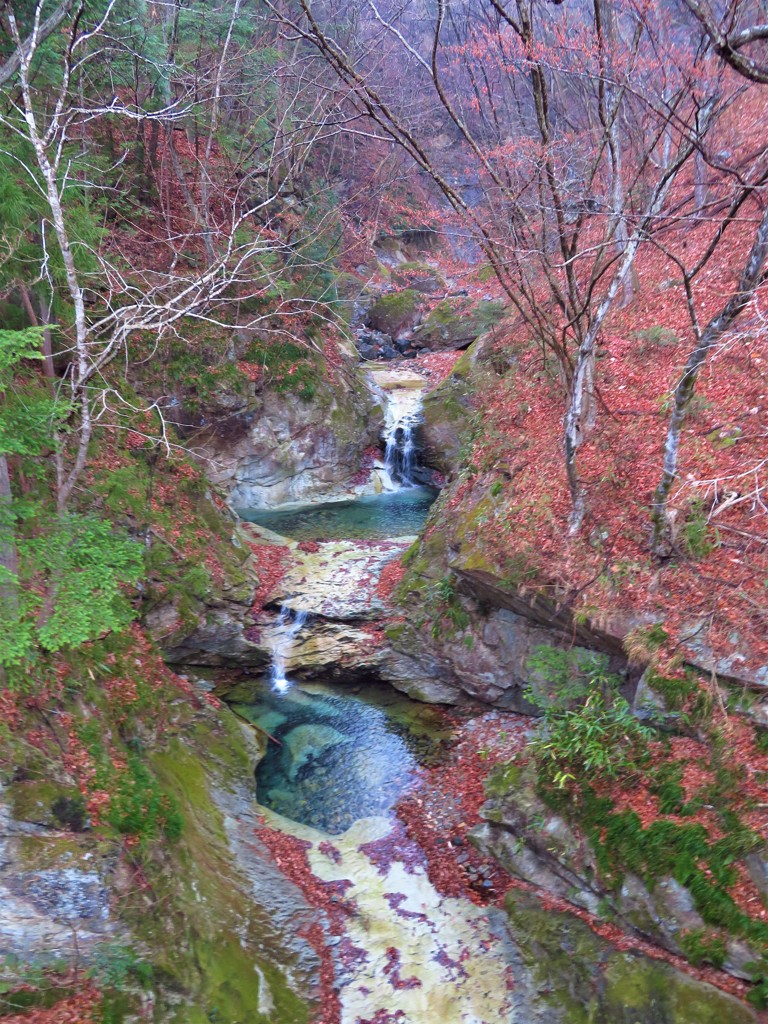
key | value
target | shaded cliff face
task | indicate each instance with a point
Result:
(131, 877)
(279, 448)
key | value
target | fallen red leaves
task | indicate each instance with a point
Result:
(271, 563)
(389, 577)
(83, 1007)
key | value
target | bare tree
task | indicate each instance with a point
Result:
(568, 196)
(113, 298)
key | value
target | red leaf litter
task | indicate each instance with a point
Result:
(83, 1007)
(369, 457)
(389, 577)
(271, 563)
(290, 855)
(435, 367)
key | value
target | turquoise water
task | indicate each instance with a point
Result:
(375, 517)
(335, 757)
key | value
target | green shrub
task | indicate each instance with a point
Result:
(703, 947)
(758, 994)
(655, 337)
(698, 538)
(589, 728)
(599, 739)
(140, 808)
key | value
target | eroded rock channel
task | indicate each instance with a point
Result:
(370, 802)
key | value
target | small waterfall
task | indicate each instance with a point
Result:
(402, 416)
(287, 628)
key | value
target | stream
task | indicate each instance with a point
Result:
(338, 760)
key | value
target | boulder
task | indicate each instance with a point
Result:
(395, 312)
(456, 323)
(577, 977)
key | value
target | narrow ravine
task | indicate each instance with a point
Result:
(341, 758)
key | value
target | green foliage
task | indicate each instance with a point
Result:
(488, 314)
(589, 729)
(758, 994)
(85, 563)
(676, 693)
(73, 569)
(697, 536)
(449, 607)
(644, 642)
(203, 371)
(656, 337)
(599, 739)
(703, 947)
(288, 367)
(62, 575)
(140, 808)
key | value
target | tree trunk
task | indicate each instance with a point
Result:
(9, 555)
(751, 277)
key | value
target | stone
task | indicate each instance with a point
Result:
(455, 323)
(307, 742)
(281, 449)
(580, 978)
(395, 312)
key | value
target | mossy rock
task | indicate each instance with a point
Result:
(394, 313)
(419, 276)
(453, 324)
(212, 943)
(580, 978)
(50, 804)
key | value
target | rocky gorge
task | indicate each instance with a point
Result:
(397, 857)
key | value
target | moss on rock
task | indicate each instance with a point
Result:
(212, 942)
(394, 312)
(453, 324)
(582, 979)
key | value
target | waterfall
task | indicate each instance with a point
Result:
(287, 628)
(402, 416)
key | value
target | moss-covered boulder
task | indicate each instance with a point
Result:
(395, 313)
(447, 421)
(419, 276)
(456, 323)
(579, 978)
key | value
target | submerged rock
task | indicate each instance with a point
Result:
(305, 743)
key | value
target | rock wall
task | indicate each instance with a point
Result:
(212, 919)
(484, 605)
(576, 977)
(538, 845)
(279, 448)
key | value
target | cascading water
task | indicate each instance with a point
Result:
(287, 628)
(402, 416)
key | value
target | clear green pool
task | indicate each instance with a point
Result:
(393, 514)
(335, 756)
